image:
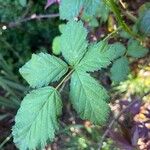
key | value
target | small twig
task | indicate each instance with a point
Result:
(112, 33)
(111, 124)
(32, 17)
(130, 16)
(127, 13)
(115, 119)
(5, 141)
(28, 8)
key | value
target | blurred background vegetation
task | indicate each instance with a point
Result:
(19, 40)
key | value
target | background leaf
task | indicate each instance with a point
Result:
(89, 98)
(43, 69)
(144, 24)
(36, 120)
(103, 11)
(120, 69)
(23, 2)
(135, 49)
(70, 9)
(73, 42)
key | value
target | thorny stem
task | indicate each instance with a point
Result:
(127, 13)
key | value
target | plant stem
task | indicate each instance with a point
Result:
(130, 16)
(110, 34)
(65, 79)
(127, 13)
(5, 141)
(32, 17)
(117, 12)
(112, 123)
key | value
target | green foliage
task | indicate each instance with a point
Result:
(40, 108)
(23, 2)
(36, 120)
(71, 9)
(56, 45)
(135, 49)
(89, 98)
(142, 23)
(100, 55)
(103, 11)
(115, 9)
(43, 69)
(88, 9)
(7, 11)
(68, 9)
(61, 27)
(120, 69)
(73, 42)
(93, 22)
(145, 23)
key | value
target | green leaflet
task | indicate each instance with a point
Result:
(43, 69)
(23, 3)
(90, 8)
(103, 11)
(73, 42)
(61, 27)
(144, 23)
(36, 120)
(69, 9)
(120, 69)
(135, 49)
(100, 55)
(93, 22)
(89, 98)
(116, 50)
(56, 45)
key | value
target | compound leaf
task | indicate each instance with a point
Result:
(100, 56)
(89, 98)
(43, 69)
(135, 49)
(73, 42)
(120, 69)
(36, 120)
